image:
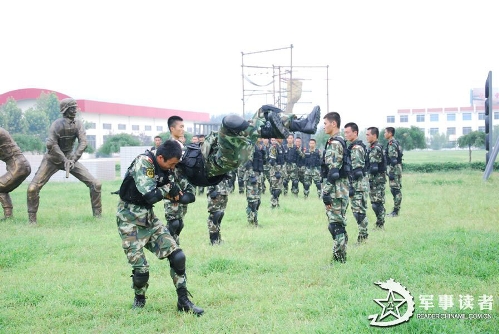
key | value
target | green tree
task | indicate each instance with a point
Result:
(410, 138)
(48, 104)
(438, 140)
(12, 117)
(29, 143)
(113, 143)
(472, 139)
(37, 123)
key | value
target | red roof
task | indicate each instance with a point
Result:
(435, 109)
(107, 108)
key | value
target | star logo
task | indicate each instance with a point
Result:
(392, 304)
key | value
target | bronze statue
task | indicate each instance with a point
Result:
(18, 169)
(62, 135)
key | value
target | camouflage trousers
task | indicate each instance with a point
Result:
(174, 211)
(395, 182)
(225, 151)
(265, 177)
(312, 175)
(157, 239)
(291, 175)
(377, 196)
(219, 203)
(254, 183)
(336, 216)
(276, 184)
(359, 209)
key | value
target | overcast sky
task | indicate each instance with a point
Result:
(381, 55)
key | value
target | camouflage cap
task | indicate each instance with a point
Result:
(67, 103)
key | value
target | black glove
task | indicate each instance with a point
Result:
(187, 198)
(374, 168)
(358, 173)
(174, 190)
(391, 176)
(327, 199)
(351, 191)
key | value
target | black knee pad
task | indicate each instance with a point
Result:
(253, 206)
(377, 207)
(395, 191)
(217, 217)
(173, 227)
(356, 216)
(140, 279)
(318, 185)
(276, 193)
(306, 186)
(336, 229)
(177, 261)
(258, 204)
(294, 184)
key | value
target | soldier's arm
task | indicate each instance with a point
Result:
(188, 190)
(53, 142)
(358, 162)
(334, 160)
(143, 175)
(82, 140)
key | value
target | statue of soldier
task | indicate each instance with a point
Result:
(18, 169)
(60, 156)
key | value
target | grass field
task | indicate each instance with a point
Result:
(425, 156)
(69, 273)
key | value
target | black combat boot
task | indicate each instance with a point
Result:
(234, 124)
(139, 301)
(361, 238)
(394, 213)
(215, 238)
(309, 124)
(185, 305)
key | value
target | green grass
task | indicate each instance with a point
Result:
(440, 156)
(69, 273)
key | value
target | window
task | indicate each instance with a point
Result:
(481, 116)
(451, 131)
(404, 118)
(419, 118)
(433, 131)
(390, 119)
(159, 128)
(451, 117)
(467, 116)
(496, 115)
(466, 130)
(433, 117)
(106, 126)
(135, 128)
(90, 125)
(121, 126)
(147, 128)
(91, 141)
(481, 128)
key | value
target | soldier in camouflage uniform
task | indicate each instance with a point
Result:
(218, 196)
(18, 169)
(266, 166)
(313, 169)
(394, 169)
(376, 168)
(335, 186)
(241, 171)
(290, 158)
(359, 186)
(254, 181)
(231, 147)
(148, 181)
(300, 164)
(60, 156)
(276, 162)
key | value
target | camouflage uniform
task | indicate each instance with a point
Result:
(359, 186)
(291, 158)
(62, 136)
(218, 197)
(300, 168)
(312, 172)
(140, 228)
(266, 169)
(232, 180)
(394, 172)
(377, 181)
(175, 212)
(335, 197)
(254, 181)
(18, 169)
(241, 170)
(276, 161)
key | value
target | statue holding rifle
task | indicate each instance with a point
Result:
(61, 156)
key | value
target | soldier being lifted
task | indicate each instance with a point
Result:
(60, 156)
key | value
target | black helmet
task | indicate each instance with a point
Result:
(67, 103)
